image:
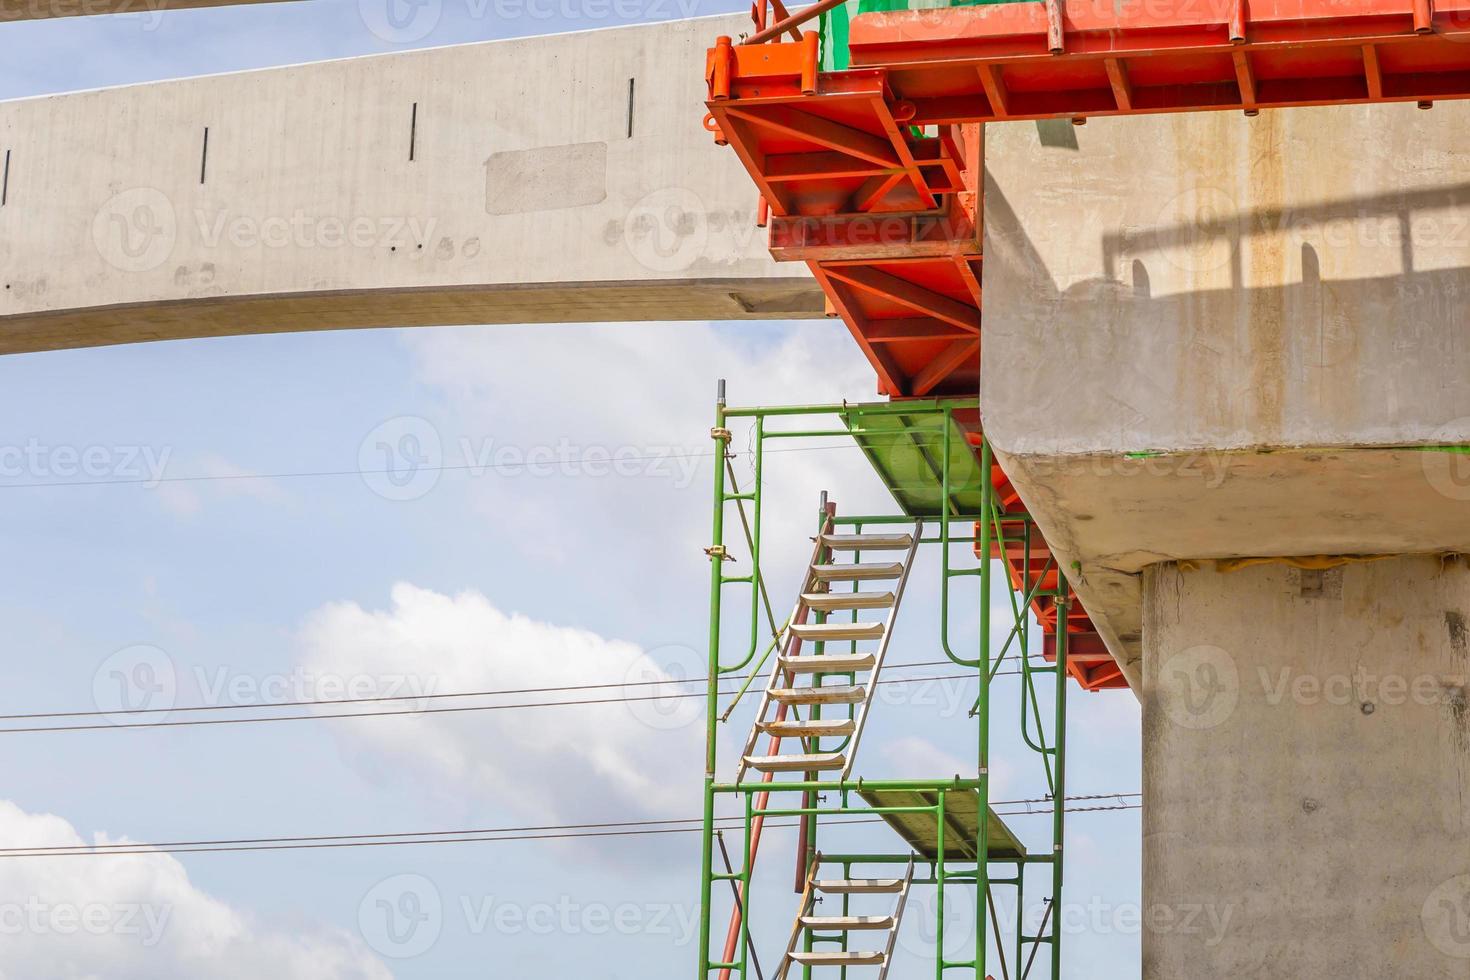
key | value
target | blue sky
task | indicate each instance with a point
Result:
(261, 581)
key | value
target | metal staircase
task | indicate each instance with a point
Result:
(820, 597)
(838, 928)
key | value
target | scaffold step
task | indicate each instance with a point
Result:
(868, 542)
(857, 571)
(860, 886)
(829, 663)
(831, 601)
(817, 728)
(817, 762)
(840, 958)
(838, 631)
(845, 923)
(835, 694)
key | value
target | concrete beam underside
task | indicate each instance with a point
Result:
(562, 178)
(1306, 789)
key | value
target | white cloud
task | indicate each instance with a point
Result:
(222, 479)
(647, 390)
(139, 916)
(916, 754)
(638, 759)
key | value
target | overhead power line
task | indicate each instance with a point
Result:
(475, 468)
(620, 828)
(184, 723)
(263, 705)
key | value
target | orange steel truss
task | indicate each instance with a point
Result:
(871, 175)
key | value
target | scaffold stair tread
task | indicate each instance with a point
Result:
(796, 675)
(829, 663)
(832, 694)
(860, 886)
(814, 728)
(857, 571)
(816, 762)
(839, 957)
(831, 601)
(868, 542)
(845, 923)
(838, 631)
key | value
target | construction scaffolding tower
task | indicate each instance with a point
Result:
(819, 670)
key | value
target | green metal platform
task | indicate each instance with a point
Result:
(961, 824)
(908, 452)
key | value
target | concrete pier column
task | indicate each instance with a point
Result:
(1307, 771)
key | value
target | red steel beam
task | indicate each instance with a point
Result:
(1078, 58)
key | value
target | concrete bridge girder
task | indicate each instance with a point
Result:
(549, 179)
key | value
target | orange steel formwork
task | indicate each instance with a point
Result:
(871, 175)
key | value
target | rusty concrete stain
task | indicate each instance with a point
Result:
(1454, 622)
(1265, 313)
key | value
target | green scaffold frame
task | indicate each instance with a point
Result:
(930, 465)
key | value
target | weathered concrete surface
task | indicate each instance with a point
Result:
(1269, 305)
(483, 183)
(13, 10)
(1306, 781)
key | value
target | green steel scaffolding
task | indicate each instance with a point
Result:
(939, 475)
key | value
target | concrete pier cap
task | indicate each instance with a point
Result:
(1216, 337)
